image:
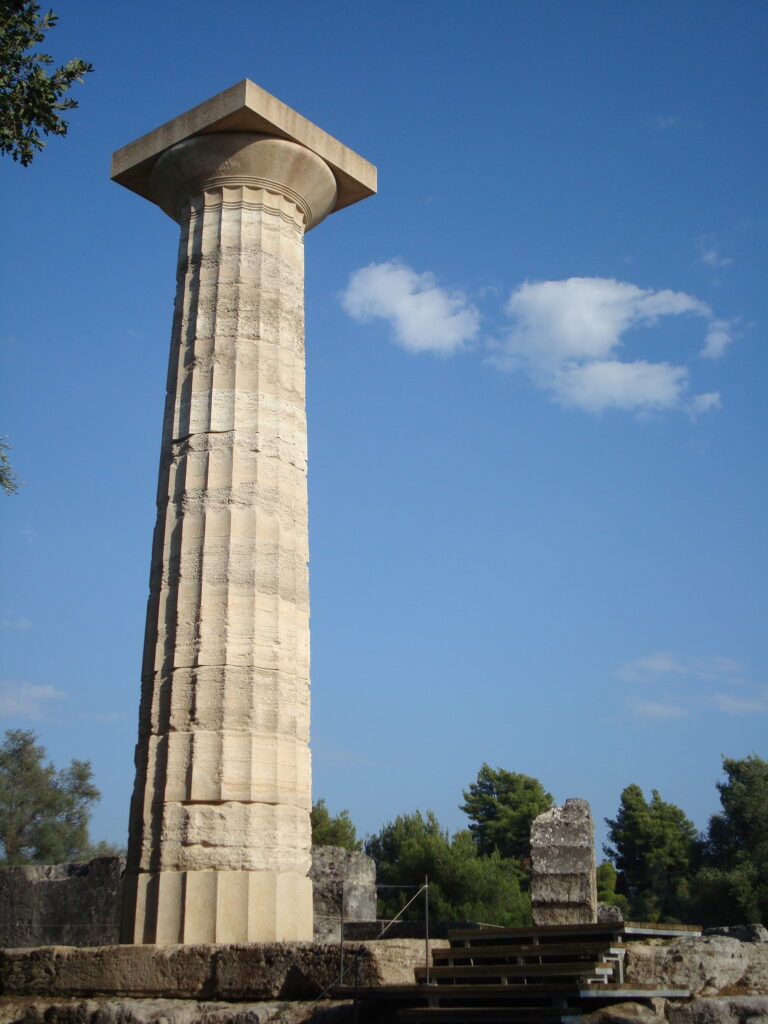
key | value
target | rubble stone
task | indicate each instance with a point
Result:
(720, 1010)
(170, 1011)
(743, 932)
(710, 965)
(623, 1013)
(607, 912)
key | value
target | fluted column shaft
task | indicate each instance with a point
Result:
(219, 846)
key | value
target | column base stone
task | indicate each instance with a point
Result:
(168, 907)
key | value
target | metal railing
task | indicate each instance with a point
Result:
(356, 955)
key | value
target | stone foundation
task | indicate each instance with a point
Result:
(172, 1011)
(253, 971)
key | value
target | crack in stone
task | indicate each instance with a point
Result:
(197, 433)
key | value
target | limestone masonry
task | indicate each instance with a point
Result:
(219, 844)
(563, 887)
(79, 904)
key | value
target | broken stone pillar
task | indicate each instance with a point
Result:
(563, 885)
(219, 844)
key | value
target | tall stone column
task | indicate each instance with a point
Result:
(219, 843)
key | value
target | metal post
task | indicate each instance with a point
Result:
(341, 939)
(355, 1004)
(426, 922)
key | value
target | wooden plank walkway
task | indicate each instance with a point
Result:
(533, 975)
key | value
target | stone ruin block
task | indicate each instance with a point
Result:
(342, 882)
(563, 885)
(79, 904)
(61, 904)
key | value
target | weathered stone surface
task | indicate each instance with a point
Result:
(61, 904)
(720, 1010)
(743, 932)
(342, 881)
(608, 912)
(563, 886)
(170, 1011)
(219, 837)
(110, 970)
(219, 844)
(709, 965)
(623, 1013)
(288, 970)
(245, 107)
(79, 904)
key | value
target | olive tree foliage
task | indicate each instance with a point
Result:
(463, 884)
(44, 813)
(501, 806)
(32, 94)
(333, 830)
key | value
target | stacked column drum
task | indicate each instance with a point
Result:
(219, 847)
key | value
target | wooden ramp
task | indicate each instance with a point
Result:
(534, 975)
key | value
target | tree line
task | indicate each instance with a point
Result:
(657, 866)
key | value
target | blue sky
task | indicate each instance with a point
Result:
(536, 372)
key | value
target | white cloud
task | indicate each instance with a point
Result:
(680, 685)
(717, 667)
(664, 123)
(104, 718)
(423, 316)
(650, 666)
(654, 667)
(704, 403)
(731, 704)
(609, 383)
(656, 709)
(26, 700)
(584, 317)
(710, 256)
(22, 622)
(719, 336)
(566, 335)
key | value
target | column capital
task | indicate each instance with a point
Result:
(244, 107)
(243, 159)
